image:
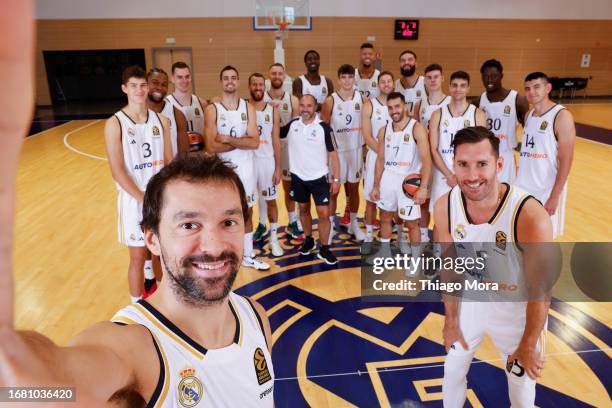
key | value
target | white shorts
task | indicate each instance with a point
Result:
(285, 172)
(264, 167)
(558, 218)
(392, 197)
(129, 212)
(368, 174)
(508, 171)
(439, 187)
(351, 165)
(246, 172)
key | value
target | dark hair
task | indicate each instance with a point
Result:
(407, 52)
(179, 65)
(133, 71)
(492, 63)
(277, 64)
(346, 69)
(193, 169)
(366, 45)
(475, 134)
(537, 75)
(256, 75)
(460, 75)
(228, 68)
(156, 71)
(385, 73)
(396, 95)
(433, 67)
(311, 51)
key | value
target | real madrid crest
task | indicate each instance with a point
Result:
(418, 92)
(460, 232)
(544, 125)
(131, 132)
(507, 109)
(285, 106)
(243, 117)
(446, 122)
(155, 131)
(267, 118)
(406, 137)
(374, 84)
(222, 116)
(357, 107)
(324, 90)
(197, 112)
(466, 123)
(500, 240)
(189, 388)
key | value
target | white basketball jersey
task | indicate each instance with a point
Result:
(401, 150)
(538, 162)
(320, 91)
(234, 123)
(413, 94)
(496, 239)
(502, 119)
(239, 375)
(193, 113)
(346, 121)
(380, 117)
(265, 122)
(449, 125)
(367, 86)
(143, 147)
(286, 110)
(168, 111)
(428, 108)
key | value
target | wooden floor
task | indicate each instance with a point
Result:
(71, 271)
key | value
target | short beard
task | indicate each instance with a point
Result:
(408, 72)
(255, 99)
(189, 288)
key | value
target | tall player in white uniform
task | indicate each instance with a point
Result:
(158, 89)
(267, 155)
(433, 100)
(504, 109)
(443, 125)
(194, 342)
(342, 110)
(410, 84)
(191, 105)
(311, 83)
(366, 76)
(137, 145)
(481, 209)
(231, 133)
(374, 116)
(403, 149)
(547, 149)
(289, 108)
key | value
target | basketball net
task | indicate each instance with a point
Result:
(282, 31)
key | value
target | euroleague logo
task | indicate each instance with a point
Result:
(379, 352)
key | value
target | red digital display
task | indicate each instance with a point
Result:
(406, 29)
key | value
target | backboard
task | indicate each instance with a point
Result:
(294, 13)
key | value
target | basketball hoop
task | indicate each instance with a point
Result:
(282, 31)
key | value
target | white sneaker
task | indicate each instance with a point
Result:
(356, 231)
(277, 250)
(252, 262)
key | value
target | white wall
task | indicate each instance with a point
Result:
(510, 9)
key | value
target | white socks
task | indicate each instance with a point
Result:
(263, 210)
(369, 232)
(273, 228)
(248, 244)
(292, 217)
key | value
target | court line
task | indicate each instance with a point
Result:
(359, 372)
(48, 130)
(74, 149)
(594, 141)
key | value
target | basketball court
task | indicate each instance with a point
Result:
(331, 347)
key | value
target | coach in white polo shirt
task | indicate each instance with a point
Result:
(311, 147)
